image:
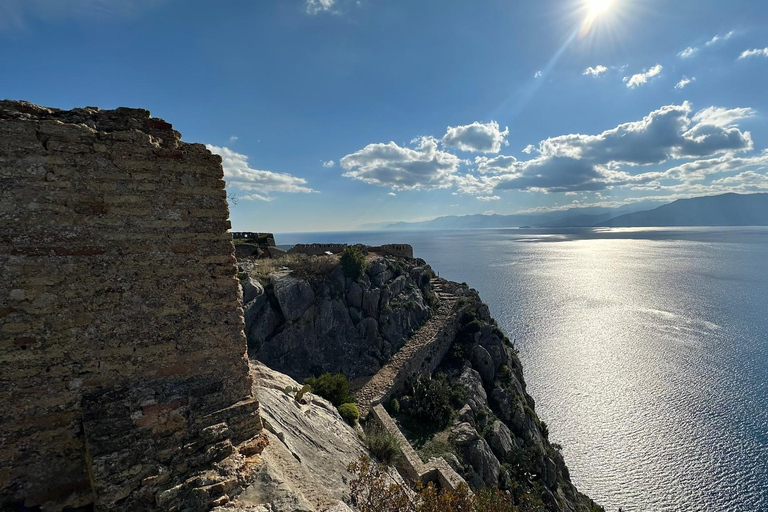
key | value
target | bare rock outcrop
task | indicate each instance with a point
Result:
(304, 327)
(304, 468)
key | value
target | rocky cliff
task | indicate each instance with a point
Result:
(425, 348)
(314, 319)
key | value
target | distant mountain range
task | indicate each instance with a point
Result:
(722, 210)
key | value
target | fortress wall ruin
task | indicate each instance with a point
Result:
(124, 375)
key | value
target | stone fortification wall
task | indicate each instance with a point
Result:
(317, 249)
(267, 239)
(124, 379)
(396, 250)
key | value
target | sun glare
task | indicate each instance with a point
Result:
(597, 11)
(597, 7)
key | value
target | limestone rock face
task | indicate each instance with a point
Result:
(476, 396)
(252, 289)
(304, 468)
(501, 442)
(477, 453)
(483, 363)
(305, 328)
(293, 295)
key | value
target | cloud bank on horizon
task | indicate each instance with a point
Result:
(690, 145)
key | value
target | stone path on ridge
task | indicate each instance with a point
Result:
(377, 387)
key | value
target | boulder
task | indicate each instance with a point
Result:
(477, 453)
(251, 289)
(483, 363)
(260, 321)
(494, 345)
(295, 296)
(355, 296)
(466, 415)
(371, 302)
(397, 286)
(501, 442)
(463, 434)
(473, 383)
(378, 266)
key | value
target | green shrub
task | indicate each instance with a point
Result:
(432, 400)
(393, 407)
(383, 444)
(349, 412)
(435, 447)
(505, 374)
(458, 396)
(353, 262)
(334, 388)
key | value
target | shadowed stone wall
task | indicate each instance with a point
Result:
(124, 376)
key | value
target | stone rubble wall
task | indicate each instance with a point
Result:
(395, 250)
(422, 354)
(410, 464)
(317, 249)
(125, 379)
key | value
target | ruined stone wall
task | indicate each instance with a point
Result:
(124, 376)
(396, 250)
(317, 249)
(256, 238)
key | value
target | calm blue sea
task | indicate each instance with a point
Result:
(646, 351)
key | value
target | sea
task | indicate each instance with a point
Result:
(646, 350)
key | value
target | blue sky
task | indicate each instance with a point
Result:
(334, 114)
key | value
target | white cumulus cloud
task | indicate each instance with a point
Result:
(688, 52)
(684, 81)
(719, 116)
(719, 39)
(389, 165)
(570, 163)
(317, 6)
(595, 71)
(488, 198)
(329, 163)
(757, 52)
(257, 183)
(477, 137)
(641, 78)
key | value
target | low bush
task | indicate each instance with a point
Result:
(334, 388)
(383, 444)
(353, 262)
(349, 412)
(393, 407)
(432, 399)
(315, 268)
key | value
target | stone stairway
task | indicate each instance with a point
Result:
(427, 343)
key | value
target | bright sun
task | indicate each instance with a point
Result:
(597, 7)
